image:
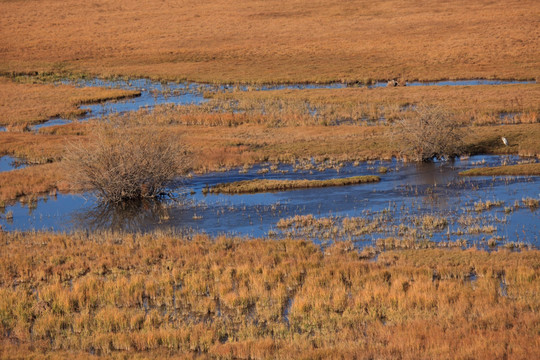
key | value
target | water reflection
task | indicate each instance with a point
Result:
(406, 193)
(128, 216)
(8, 163)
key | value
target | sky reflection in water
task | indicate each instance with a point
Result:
(404, 193)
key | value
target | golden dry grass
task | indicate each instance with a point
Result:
(38, 148)
(159, 295)
(25, 104)
(507, 170)
(33, 181)
(476, 104)
(222, 147)
(263, 185)
(274, 41)
(216, 147)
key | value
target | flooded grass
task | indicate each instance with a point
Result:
(305, 104)
(428, 202)
(486, 205)
(85, 294)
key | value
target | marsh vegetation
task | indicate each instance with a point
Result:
(154, 215)
(254, 186)
(118, 294)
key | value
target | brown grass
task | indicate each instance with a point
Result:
(25, 104)
(156, 295)
(506, 170)
(263, 185)
(32, 181)
(478, 105)
(223, 147)
(269, 41)
(38, 148)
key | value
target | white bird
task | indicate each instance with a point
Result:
(505, 142)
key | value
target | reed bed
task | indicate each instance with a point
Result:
(264, 185)
(25, 104)
(532, 169)
(159, 294)
(471, 105)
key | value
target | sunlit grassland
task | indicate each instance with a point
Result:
(39, 148)
(32, 181)
(26, 104)
(262, 185)
(476, 105)
(508, 170)
(271, 41)
(114, 294)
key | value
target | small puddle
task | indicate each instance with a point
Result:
(8, 163)
(287, 310)
(503, 286)
(52, 122)
(471, 277)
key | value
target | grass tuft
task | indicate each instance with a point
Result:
(261, 185)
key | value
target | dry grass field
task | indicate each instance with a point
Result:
(26, 104)
(32, 181)
(161, 295)
(273, 41)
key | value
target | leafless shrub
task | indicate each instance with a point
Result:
(121, 163)
(428, 133)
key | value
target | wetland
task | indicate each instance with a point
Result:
(257, 180)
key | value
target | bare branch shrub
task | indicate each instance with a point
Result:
(121, 163)
(428, 133)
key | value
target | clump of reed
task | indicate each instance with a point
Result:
(432, 222)
(263, 185)
(506, 170)
(531, 203)
(480, 205)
